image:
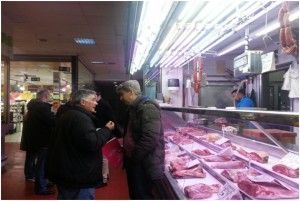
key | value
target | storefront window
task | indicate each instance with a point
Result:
(27, 77)
(85, 77)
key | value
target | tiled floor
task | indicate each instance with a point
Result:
(14, 186)
(16, 137)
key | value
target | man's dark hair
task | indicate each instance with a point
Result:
(242, 91)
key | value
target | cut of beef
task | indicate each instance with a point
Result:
(282, 169)
(222, 156)
(229, 165)
(179, 163)
(196, 172)
(186, 130)
(216, 158)
(266, 190)
(238, 175)
(202, 152)
(201, 191)
(259, 156)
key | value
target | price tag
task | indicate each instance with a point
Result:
(261, 178)
(221, 141)
(192, 163)
(226, 192)
(181, 153)
(291, 160)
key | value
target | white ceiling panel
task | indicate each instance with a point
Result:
(60, 22)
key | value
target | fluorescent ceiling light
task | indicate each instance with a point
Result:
(85, 41)
(233, 47)
(98, 62)
(148, 29)
(276, 25)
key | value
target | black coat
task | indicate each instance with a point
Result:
(37, 126)
(147, 134)
(75, 158)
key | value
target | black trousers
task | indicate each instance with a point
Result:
(141, 187)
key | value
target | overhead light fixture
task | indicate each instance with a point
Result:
(85, 41)
(98, 62)
(233, 47)
(273, 26)
(148, 29)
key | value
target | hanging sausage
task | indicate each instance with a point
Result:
(288, 44)
(198, 70)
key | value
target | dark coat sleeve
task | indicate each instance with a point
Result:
(86, 137)
(151, 125)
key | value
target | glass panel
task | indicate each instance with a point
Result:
(4, 102)
(28, 76)
(85, 77)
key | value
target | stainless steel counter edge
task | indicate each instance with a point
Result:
(273, 117)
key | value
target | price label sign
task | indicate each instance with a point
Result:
(292, 160)
(221, 141)
(192, 163)
(226, 192)
(261, 178)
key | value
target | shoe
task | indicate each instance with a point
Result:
(45, 192)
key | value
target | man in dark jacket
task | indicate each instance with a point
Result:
(75, 162)
(38, 125)
(143, 143)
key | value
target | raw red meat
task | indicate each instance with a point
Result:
(222, 156)
(216, 158)
(229, 165)
(266, 190)
(202, 152)
(259, 156)
(201, 191)
(179, 163)
(196, 172)
(187, 129)
(180, 139)
(238, 175)
(282, 169)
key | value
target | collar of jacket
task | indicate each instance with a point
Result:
(81, 109)
(138, 101)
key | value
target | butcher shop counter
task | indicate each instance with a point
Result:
(276, 162)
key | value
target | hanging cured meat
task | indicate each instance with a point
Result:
(288, 43)
(198, 71)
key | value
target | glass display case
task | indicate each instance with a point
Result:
(231, 154)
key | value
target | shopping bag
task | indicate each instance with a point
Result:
(113, 151)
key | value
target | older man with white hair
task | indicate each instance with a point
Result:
(75, 158)
(143, 143)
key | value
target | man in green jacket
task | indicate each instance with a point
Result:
(143, 143)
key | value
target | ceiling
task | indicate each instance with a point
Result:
(58, 23)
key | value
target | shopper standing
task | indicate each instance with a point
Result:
(31, 154)
(75, 162)
(39, 123)
(143, 144)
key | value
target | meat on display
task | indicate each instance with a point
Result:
(201, 191)
(283, 169)
(237, 175)
(216, 158)
(266, 190)
(202, 152)
(195, 172)
(229, 165)
(259, 156)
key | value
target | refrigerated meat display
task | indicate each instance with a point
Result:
(250, 166)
